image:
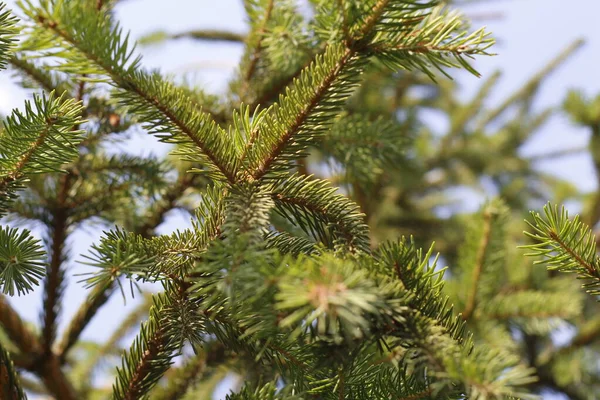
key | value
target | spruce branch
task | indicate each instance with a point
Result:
(308, 106)
(8, 31)
(40, 140)
(161, 338)
(196, 368)
(485, 239)
(131, 320)
(256, 40)
(17, 331)
(166, 109)
(311, 109)
(22, 261)
(10, 385)
(88, 309)
(315, 207)
(534, 304)
(565, 245)
(38, 76)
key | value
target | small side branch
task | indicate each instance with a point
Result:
(481, 252)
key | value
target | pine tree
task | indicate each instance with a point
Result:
(314, 189)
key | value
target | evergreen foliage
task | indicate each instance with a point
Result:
(311, 198)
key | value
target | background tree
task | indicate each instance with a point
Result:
(280, 278)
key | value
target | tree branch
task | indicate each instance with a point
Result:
(481, 251)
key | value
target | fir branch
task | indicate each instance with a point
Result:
(301, 199)
(170, 321)
(168, 110)
(8, 31)
(40, 140)
(16, 330)
(88, 309)
(481, 251)
(534, 304)
(10, 385)
(22, 261)
(333, 67)
(258, 47)
(101, 293)
(125, 327)
(566, 245)
(156, 345)
(198, 367)
(39, 75)
(273, 91)
(308, 106)
(54, 379)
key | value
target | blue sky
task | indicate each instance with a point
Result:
(530, 33)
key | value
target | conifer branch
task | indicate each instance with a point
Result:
(276, 89)
(16, 330)
(171, 106)
(10, 385)
(40, 140)
(85, 313)
(186, 377)
(44, 79)
(481, 252)
(210, 35)
(300, 194)
(152, 351)
(47, 368)
(347, 56)
(8, 31)
(125, 326)
(566, 245)
(301, 115)
(260, 32)
(100, 294)
(54, 379)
